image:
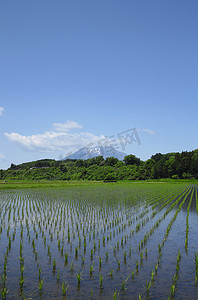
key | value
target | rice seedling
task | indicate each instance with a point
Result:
(91, 294)
(21, 281)
(178, 257)
(79, 277)
(94, 248)
(133, 274)
(172, 290)
(3, 279)
(66, 258)
(146, 253)
(54, 265)
(125, 257)
(141, 258)
(118, 262)
(152, 275)
(4, 292)
(22, 270)
(114, 250)
(83, 260)
(76, 252)
(58, 275)
(39, 273)
(103, 241)
(118, 245)
(91, 254)
(41, 284)
(101, 280)
(196, 260)
(107, 255)
(123, 284)
(116, 295)
(137, 227)
(148, 286)
(33, 244)
(196, 268)
(156, 267)
(130, 252)
(64, 288)
(100, 262)
(137, 266)
(91, 269)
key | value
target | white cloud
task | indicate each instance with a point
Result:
(1, 111)
(58, 140)
(149, 131)
(2, 156)
(66, 126)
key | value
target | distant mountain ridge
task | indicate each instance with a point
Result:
(90, 152)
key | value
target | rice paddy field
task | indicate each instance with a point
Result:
(105, 241)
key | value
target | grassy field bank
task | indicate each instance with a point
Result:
(19, 184)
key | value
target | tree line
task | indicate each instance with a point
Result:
(171, 165)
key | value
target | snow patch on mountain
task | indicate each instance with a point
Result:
(90, 152)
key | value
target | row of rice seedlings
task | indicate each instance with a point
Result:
(156, 203)
(187, 223)
(153, 274)
(22, 278)
(166, 196)
(121, 241)
(138, 226)
(157, 223)
(64, 286)
(35, 253)
(160, 246)
(176, 276)
(6, 209)
(150, 202)
(104, 243)
(76, 250)
(196, 268)
(156, 200)
(4, 290)
(175, 216)
(79, 277)
(169, 198)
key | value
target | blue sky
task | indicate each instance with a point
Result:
(74, 72)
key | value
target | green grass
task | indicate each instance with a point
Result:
(20, 184)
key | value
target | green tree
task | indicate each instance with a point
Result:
(79, 163)
(131, 160)
(110, 161)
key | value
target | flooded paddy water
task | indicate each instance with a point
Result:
(111, 241)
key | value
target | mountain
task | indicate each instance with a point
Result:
(90, 152)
